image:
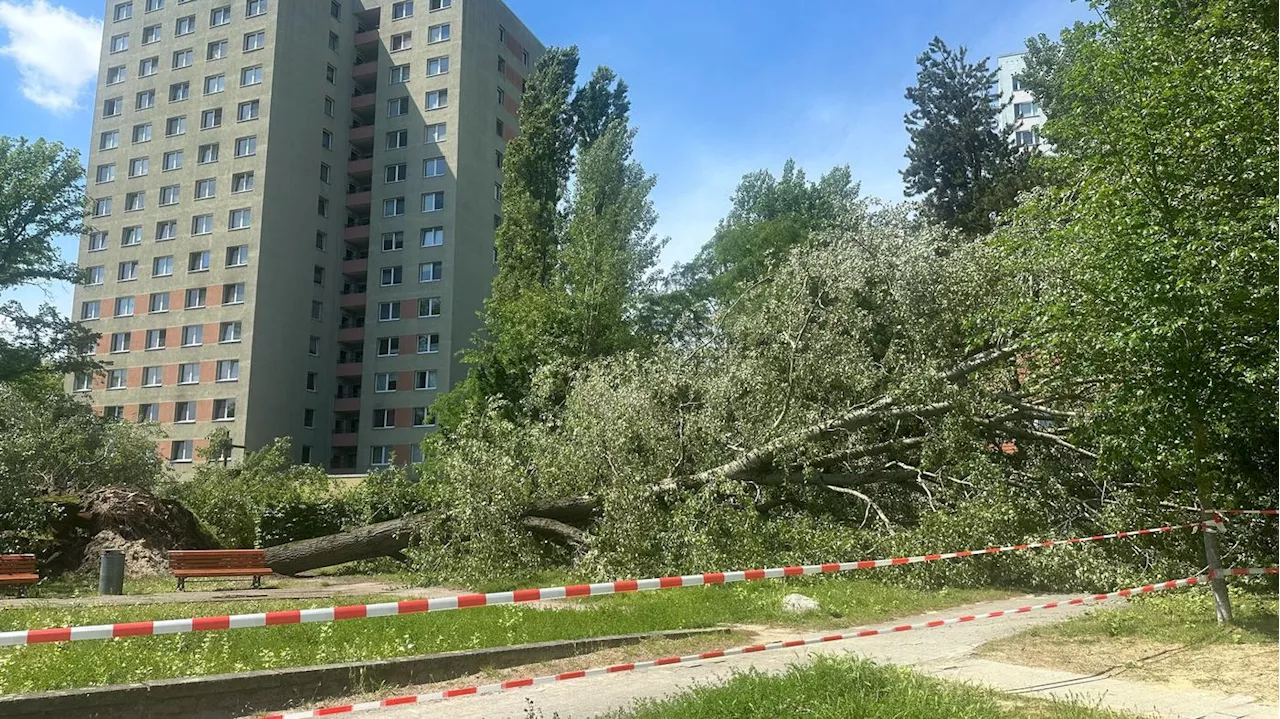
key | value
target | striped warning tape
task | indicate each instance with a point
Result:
(667, 661)
(1269, 512)
(1243, 571)
(519, 596)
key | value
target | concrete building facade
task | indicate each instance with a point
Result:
(293, 213)
(1020, 113)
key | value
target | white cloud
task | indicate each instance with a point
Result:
(56, 51)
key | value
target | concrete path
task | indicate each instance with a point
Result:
(945, 652)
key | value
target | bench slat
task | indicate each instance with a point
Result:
(243, 572)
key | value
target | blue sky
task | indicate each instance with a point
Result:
(719, 88)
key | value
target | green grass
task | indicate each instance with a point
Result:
(846, 688)
(89, 663)
(1182, 617)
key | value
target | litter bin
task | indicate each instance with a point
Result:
(111, 572)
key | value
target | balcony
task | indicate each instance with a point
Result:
(355, 267)
(360, 200)
(350, 369)
(345, 439)
(351, 334)
(358, 134)
(358, 167)
(346, 404)
(367, 37)
(365, 70)
(362, 101)
(352, 300)
(356, 232)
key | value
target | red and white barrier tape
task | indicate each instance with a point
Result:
(466, 601)
(666, 661)
(1269, 512)
(1243, 571)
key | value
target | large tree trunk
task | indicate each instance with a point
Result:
(376, 540)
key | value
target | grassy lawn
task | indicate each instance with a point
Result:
(846, 688)
(78, 664)
(1170, 639)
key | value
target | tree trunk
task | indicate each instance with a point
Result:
(1212, 555)
(376, 540)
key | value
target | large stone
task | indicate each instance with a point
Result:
(800, 604)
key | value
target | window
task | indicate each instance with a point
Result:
(217, 50)
(313, 346)
(502, 65)
(500, 128)
(170, 194)
(90, 310)
(183, 58)
(501, 96)
(424, 379)
(116, 379)
(106, 173)
(206, 188)
(1017, 83)
(219, 16)
(229, 332)
(524, 57)
(135, 201)
(317, 310)
(142, 133)
(109, 140)
(326, 139)
(84, 383)
(497, 191)
(433, 201)
(214, 84)
(120, 342)
(138, 166)
(180, 450)
(331, 73)
(317, 275)
(436, 132)
(423, 418)
(193, 335)
(397, 139)
(401, 41)
(388, 346)
(172, 160)
(210, 119)
(115, 74)
(432, 236)
(188, 373)
(112, 107)
(322, 206)
(97, 241)
(433, 167)
(175, 126)
(159, 302)
(325, 171)
(115, 412)
(123, 11)
(120, 43)
(328, 106)
(148, 412)
(321, 239)
(437, 66)
(224, 410)
(392, 241)
(184, 411)
(311, 381)
(401, 10)
(392, 275)
(380, 455)
(148, 66)
(162, 266)
(198, 261)
(388, 311)
(202, 224)
(430, 271)
(1026, 109)
(102, 207)
(384, 418)
(333, 42)
(255, 41)
(335, 9)
(233, 294)
(393, 207)
(242, 182)
(251, 76)
(498, 158)
(428, 343)
(384, 381)
(124, 307)
(94, 275)
(1026, 138)
(153, 5)
(240, 219)
(185, 25)
(179, 91)
(253, 8)
(438, 33)
(399, 74)
(397, 107)
(397, 173)
(245, 146)
(438, 4)
(195, 298)
(238, 256)
(247, 111)
(131, 236)
(145, 100)
(152, 377)
(309, 418)
(437, 99)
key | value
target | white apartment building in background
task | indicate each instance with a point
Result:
(1020, 113)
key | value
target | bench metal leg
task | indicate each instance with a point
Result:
(257, 582)
(22, 591)
(182, 584)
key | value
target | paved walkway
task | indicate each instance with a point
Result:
(945, 652)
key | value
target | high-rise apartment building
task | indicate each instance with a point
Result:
(1020, 114)
(293, 213)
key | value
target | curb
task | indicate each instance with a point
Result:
(230, 695)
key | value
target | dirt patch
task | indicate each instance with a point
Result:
(1234, 668)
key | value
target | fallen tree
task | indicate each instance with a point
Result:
(384, 539)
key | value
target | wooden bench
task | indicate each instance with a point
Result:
(218, 564)
(18, 570)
